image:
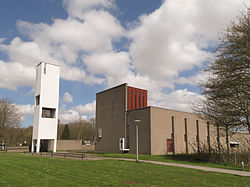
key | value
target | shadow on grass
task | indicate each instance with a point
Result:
(186, 157)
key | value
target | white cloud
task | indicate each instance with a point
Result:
(64, 38)
(108, 64)
(77, 8)
(87, 109)
(177, 100)
(192, 80)
(14, 75)
(25, 110)
(176, 36)
(25, 53)
(69, 115)
(67, 98)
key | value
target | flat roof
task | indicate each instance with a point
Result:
(147, 107)
(172, 110)
(162, 109)
(137, 88)
(124, 84)
(47, 63)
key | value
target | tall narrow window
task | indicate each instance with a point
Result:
(186, 134)
(48, 112)
(143, 99)
(44, 69)
(99, 133)
(37, 99)
(198, 136)
(135, 100)
(139, 99)
(131, 99)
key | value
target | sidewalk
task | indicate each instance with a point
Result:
(219, 170)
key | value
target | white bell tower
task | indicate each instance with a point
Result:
(46, 108)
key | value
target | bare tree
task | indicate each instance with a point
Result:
(9, 116)
(226, 92)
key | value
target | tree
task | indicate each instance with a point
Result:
(227, 90)
(79, 130)
(65, 134)
(9, 116)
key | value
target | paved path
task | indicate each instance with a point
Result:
(219, 170)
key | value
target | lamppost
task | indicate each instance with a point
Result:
(137, 122)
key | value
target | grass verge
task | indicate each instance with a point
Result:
(191, 159)
(24, 170)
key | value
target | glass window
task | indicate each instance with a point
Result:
(48, 112)
(37, 99)
(99, 132)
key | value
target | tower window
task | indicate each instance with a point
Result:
(44, 69)
(37, 99)
(48, 112)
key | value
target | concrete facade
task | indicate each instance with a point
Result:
(161, 131)
(144, 137)
(156, 128)
(69, 145)
(110, 118)
(46, 107)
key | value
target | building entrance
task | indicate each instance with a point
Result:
(169, 146)
(44, 146)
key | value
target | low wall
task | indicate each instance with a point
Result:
(17, 148)
(64, 145)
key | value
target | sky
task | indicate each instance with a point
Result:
(161, 46)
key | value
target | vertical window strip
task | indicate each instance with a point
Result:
(131, 98)
(135, 99)
(139, 99)
(143, 99)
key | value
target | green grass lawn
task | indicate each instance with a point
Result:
(182, 159)
(24, 170)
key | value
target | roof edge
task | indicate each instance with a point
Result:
(46, 63)
(124, 84)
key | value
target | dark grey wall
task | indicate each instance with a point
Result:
(144, 130)
(111, 118)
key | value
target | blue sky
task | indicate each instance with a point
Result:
(161, 46)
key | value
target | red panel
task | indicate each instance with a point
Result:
(132, 99)
(139, 95)
(136, 99)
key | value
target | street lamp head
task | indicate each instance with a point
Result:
(137, 120)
